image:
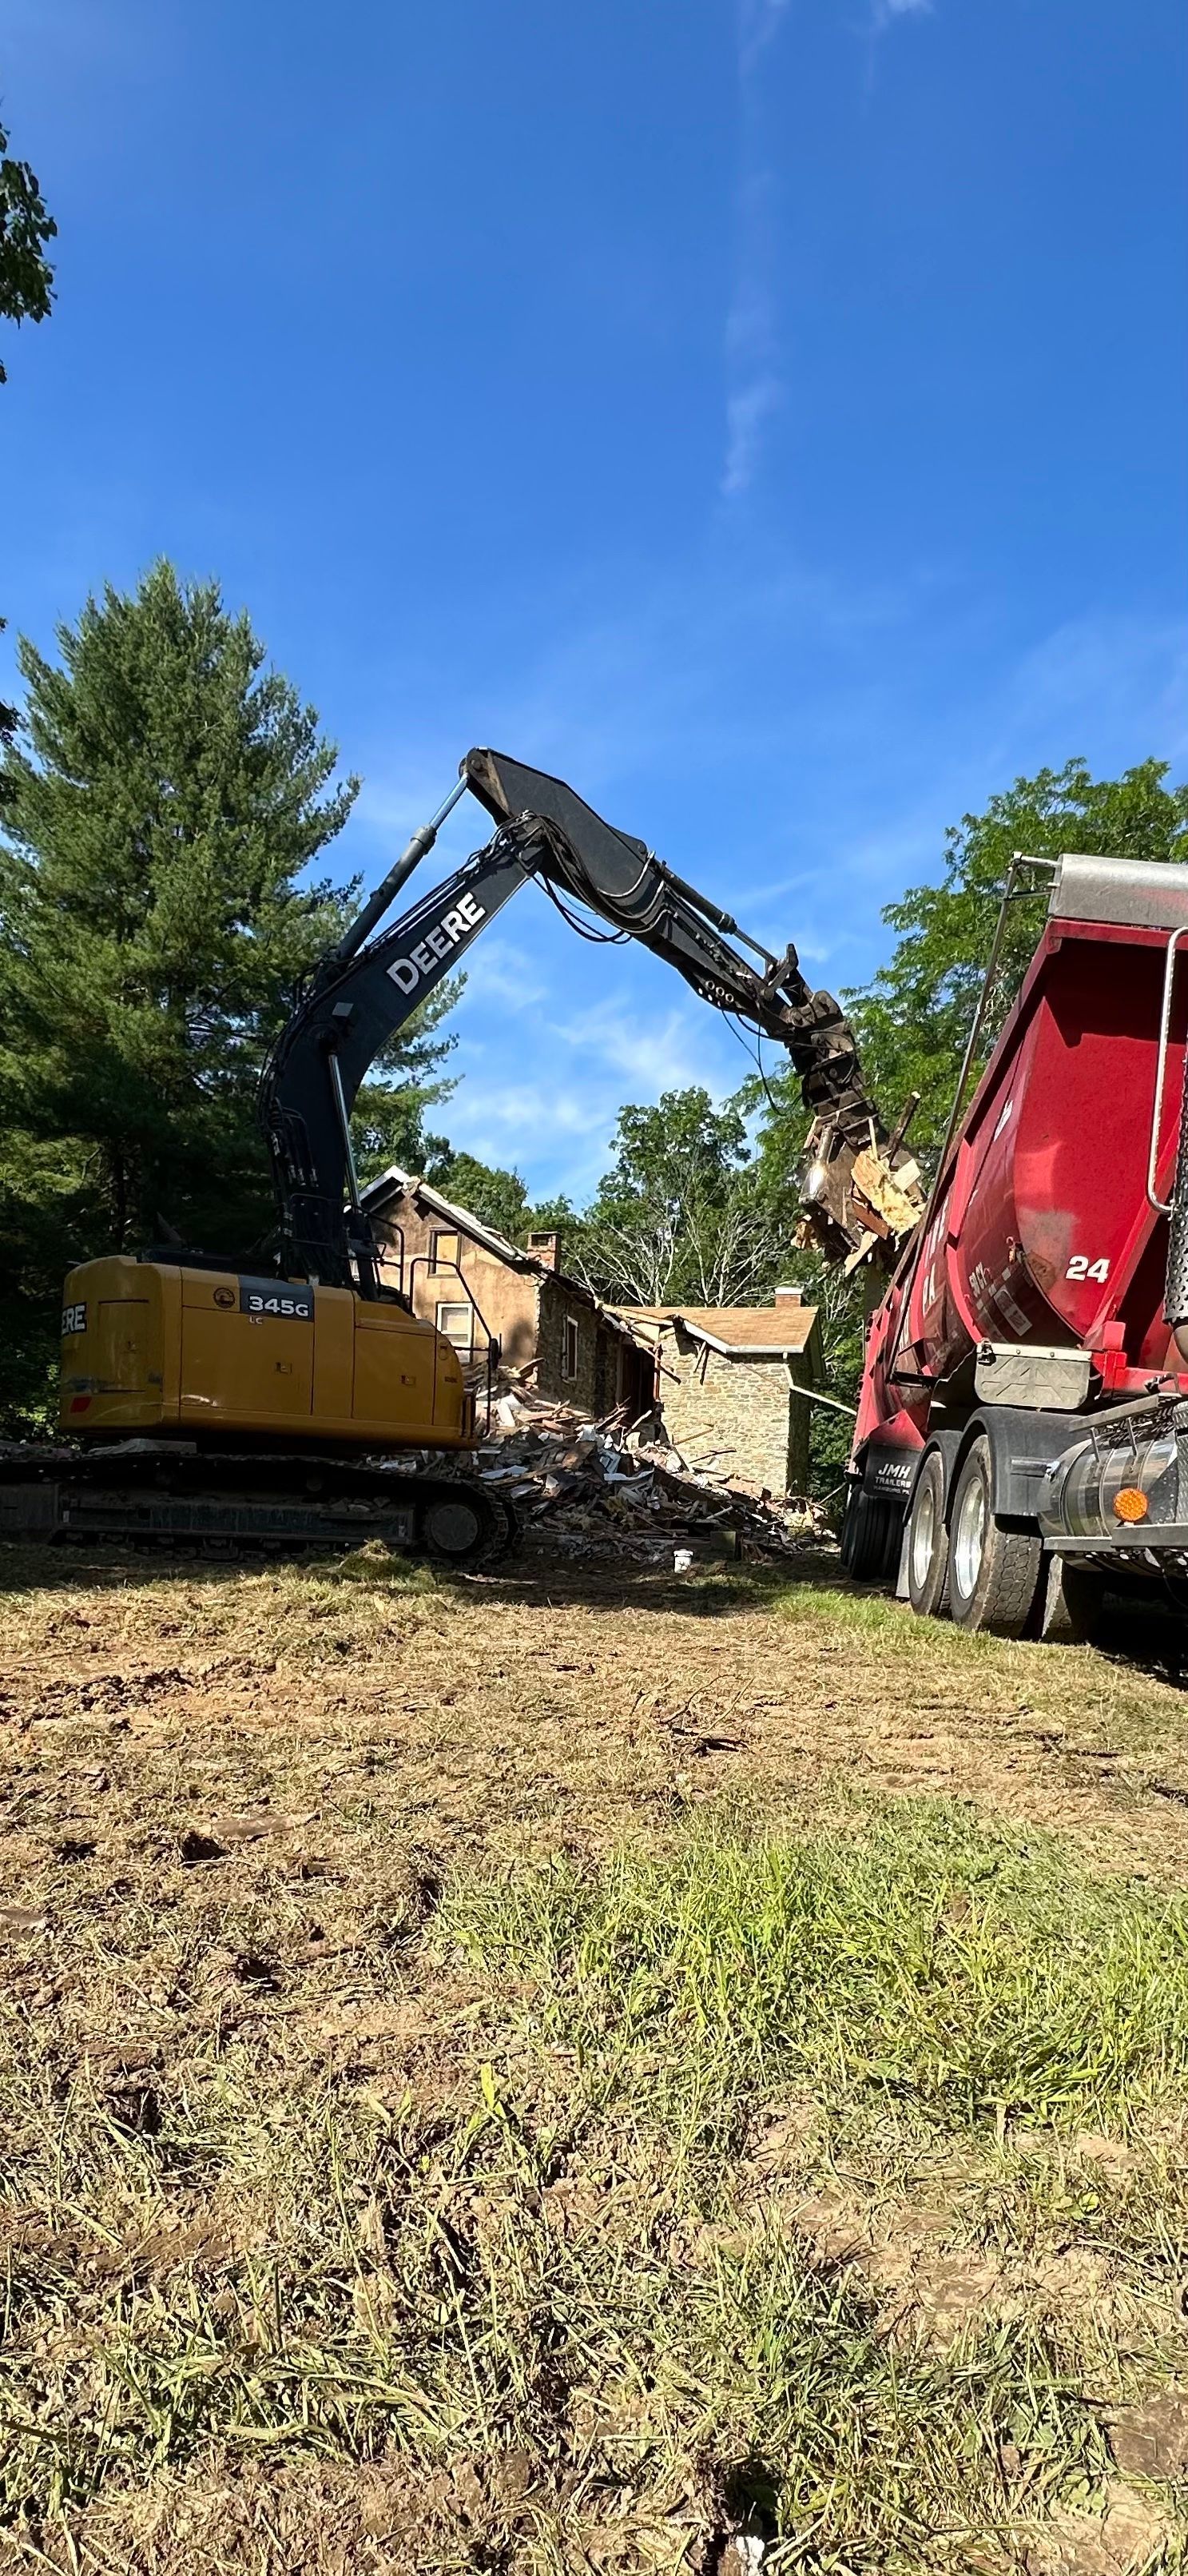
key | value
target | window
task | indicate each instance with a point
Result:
(443, 1251)
(457, 1323)
(569, 1365)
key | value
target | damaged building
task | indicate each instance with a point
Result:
(728, 1381)
(732, 1384)
(477, 1287)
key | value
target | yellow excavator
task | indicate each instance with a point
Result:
(206, 1402)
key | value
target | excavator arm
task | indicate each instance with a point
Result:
(575, 852)
(856, 1199)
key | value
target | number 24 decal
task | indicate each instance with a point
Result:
(1081, 1267)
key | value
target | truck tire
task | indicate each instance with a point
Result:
(928, 1542)
(993, 1572)
(870, 1536)
(1070, 1612)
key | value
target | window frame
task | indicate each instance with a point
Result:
(445, 1234)
(570, 1345)
(456, 1306)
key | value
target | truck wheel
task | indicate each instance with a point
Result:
(993, 1572)
(928, 1542)
(870, 1536)
(1071, 1609)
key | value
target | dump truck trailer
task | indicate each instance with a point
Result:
(1021, 1444)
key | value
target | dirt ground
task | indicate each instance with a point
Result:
(231, 1802)
(553, 1705)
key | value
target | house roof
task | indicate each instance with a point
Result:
(397, 1184)
(781, 1330)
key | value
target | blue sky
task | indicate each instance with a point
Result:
(770, 414)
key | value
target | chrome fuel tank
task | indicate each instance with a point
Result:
(1120, 1493)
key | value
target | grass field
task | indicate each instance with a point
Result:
(578, 2068)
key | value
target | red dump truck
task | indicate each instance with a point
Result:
(1022, 1438)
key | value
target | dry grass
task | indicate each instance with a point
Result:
(509, 2075)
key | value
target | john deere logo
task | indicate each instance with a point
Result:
(224, 1296)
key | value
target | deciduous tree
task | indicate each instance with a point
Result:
(26, 279)
(679, 1215)
(914, 1019)
(26, 228)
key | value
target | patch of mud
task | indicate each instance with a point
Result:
(1151, 2441)
(1128, 2537)
(936, 2287)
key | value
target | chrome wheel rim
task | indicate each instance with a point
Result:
(969, 1539)
(923, 1535)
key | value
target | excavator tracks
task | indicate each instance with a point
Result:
(145, 1494)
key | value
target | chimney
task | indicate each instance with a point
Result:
(546, 1248)
(789, 1296)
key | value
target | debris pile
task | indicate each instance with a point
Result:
(620, 1484)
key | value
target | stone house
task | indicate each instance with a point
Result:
(477, 1288)
(727, 1380)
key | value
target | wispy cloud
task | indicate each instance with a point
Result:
(496, 971)
(1113, 669)
(663, 1053)
(755, 382)
(556, 1122)
(530, 1110)
(793, 741)
(747, 414)
(884, 12)
(759, 23)
(754, 386)
(396, 805)
(558, 1136)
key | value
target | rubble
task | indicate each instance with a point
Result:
(619, 1484)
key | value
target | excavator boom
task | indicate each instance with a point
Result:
(364, 993)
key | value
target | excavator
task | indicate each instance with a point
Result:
(295, 1404)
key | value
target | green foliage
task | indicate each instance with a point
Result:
(26, 277)
(167, 797)
(913, 1021)
(680, 1214)
(559, 1216)
(153, 934)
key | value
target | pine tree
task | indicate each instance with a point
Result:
(167, 796)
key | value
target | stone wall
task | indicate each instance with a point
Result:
(743, 1407)
(596, 1387)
